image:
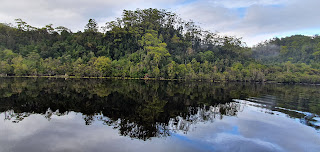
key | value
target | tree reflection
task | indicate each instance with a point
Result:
(138, 109)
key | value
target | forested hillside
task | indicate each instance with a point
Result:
(155, 44)
(296, 49)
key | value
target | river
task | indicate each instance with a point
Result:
(41, 114)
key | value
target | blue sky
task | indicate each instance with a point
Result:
(253, 20)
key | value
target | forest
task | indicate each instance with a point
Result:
(157, 44)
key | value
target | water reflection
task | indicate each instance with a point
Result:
(272, 103)
(136, 108)
(145, 130)
(146, 109)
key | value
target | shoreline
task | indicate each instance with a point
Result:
(156, 79)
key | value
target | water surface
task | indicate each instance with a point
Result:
(123, 115)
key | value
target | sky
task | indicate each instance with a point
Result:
(253, 20)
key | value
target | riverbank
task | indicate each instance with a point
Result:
(153, 79)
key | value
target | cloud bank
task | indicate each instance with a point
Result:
(254, 20)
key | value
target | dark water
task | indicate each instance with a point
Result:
(122, 115)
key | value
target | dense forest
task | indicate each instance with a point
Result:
(154, 43)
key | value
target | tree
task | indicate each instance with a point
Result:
(32, 61)
(79, 67)
(21, 24)
(19, 67)
(7, 55)
(5, 68)
(172, 70)
(61, 29)
(155, 43)
(103, 66)
(154, 47)
(50, 66)
(92, 26)
(181, 71)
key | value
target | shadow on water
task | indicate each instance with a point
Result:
(146, 109)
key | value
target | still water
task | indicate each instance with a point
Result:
(123, 115)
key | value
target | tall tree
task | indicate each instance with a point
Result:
(92, 26)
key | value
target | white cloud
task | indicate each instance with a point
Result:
(73, 14)
(254, 20)
(246, 3)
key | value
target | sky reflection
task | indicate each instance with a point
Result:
(251, 130)
(102, 115)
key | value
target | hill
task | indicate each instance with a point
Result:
(145, 43)
(296, 49)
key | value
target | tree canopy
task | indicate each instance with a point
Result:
(154, 43)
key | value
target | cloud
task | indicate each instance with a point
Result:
(246, 3)
(69, 133)
(73, 14)
(254, 20)
(209, 16)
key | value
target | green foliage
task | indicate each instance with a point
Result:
(5, 68)
(20, 68)
(154, 43)
(103, 66)
(296, 48)
(92, 26)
